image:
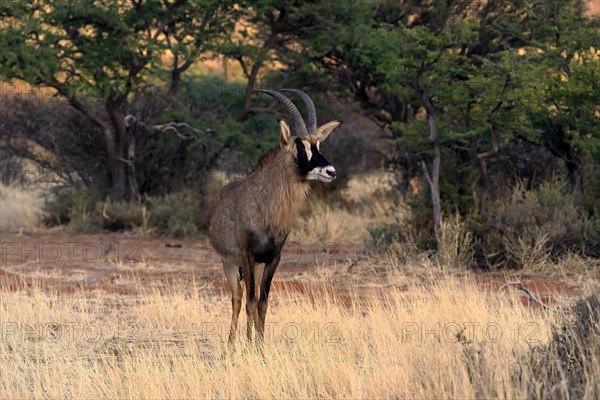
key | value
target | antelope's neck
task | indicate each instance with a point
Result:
(282, 193)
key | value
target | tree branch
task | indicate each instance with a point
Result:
(130, 120)
(79, 105)
(426, 172)
(240, 59)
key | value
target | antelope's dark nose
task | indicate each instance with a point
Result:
(331, 173)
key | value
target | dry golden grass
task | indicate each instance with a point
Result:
(370, 200)
(19, 208)
(446, 340)
(329, 223)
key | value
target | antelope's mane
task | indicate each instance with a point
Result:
(266, 158)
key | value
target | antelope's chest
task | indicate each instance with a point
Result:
(265, 248)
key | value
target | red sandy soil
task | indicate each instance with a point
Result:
(113, 262)
(124, 264)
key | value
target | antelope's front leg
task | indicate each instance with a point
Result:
(250, 283)
(265, 287)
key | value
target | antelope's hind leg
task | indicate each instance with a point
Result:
(258, 274)
(232, 274)
(250, 285)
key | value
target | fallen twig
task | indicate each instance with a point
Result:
(520, 286)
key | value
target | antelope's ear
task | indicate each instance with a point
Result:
(325, 129)
(285, 136)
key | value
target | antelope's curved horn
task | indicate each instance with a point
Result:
(299, 126)
(311, 121)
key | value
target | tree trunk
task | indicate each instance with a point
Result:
(434, 181)
(114, 165)
(249, 91)
(433, 178)
(176, 169)
(435, 193)
(575, 178)
(484, 181)
(120, 146)
(561, 146)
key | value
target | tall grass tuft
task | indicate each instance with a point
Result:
(20, 208)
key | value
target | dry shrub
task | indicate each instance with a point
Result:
(530, 252)
(118, 216)
(361, 188)
(398, 244)
(529, 227)
(87, 214)
(456, 247)
(398, 257)
(84, 210)
(73, 206)
(574, 265)
(20, 208)
(569, 366)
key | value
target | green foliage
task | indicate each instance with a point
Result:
(558, 92)
(109, 53)
(209, 104)
(102, 49)
(503, 75)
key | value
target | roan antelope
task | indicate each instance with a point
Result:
(254, 216)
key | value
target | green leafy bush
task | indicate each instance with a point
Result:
(175, 214)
